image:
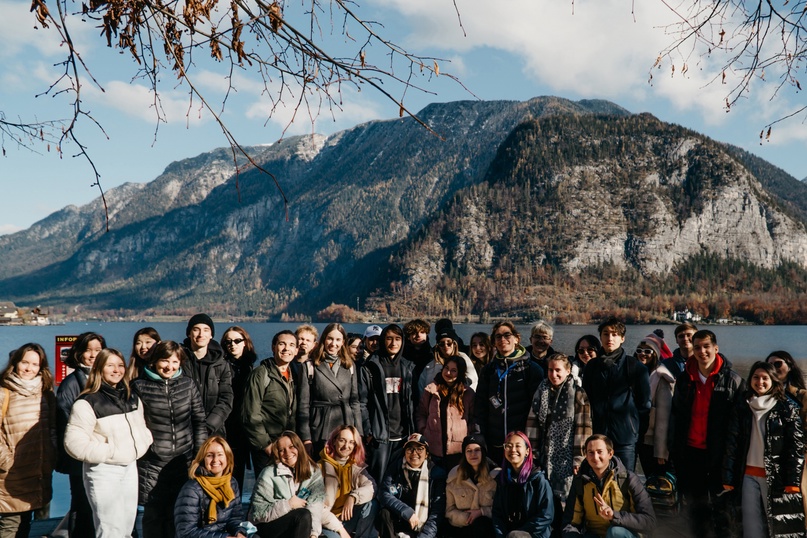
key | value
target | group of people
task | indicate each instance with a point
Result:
(384, 434)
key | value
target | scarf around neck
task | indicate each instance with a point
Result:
(343, 470)
(422, 495)
(219, 489)
(556, 419)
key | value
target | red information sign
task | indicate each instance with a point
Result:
(63, 345)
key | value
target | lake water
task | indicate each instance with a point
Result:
(741, 344)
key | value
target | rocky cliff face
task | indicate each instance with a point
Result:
(510, 187)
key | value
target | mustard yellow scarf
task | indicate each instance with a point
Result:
(343, 473)
(219, 490)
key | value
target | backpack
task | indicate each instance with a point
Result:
(663, 491)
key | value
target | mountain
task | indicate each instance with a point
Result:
(501, 192)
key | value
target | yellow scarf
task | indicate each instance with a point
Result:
(219, 490)
(343, 473)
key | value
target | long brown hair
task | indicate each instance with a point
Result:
(454, 392)
(132, 371)
(16, 357)
(345, 360)
(302, 469)
(96, 376)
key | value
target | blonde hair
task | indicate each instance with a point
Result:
(199, 460)
(97, 372)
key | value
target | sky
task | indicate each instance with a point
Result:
(512, 50)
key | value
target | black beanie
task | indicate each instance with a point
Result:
(475, 439)
(200, 319)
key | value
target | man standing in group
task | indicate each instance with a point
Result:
(705, 394)
(306, 341)
(207, 366)
(371, 340)
(417, 347)
(541, 344)
(683, 337)
(618, 388)
(270, 403)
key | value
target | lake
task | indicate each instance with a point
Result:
(741, 344)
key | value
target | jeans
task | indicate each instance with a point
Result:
(627, 455)
(754, 501)
(380, 454)
(361, 524)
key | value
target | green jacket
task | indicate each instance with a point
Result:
(269, 405)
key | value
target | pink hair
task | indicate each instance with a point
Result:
(358, 455)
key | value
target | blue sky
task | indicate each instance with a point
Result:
(511, 50)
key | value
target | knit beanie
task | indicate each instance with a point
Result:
(658, 344)
(475, 439)
(200, 319)
(652, 344)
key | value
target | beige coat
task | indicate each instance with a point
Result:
(662, 385)
(27, 446)
(464, 495)
(362, 488)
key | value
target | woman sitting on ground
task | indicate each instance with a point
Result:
(209, 504)
(287, 500)
(349, 490)
(470, 489)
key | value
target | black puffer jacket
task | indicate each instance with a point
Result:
(214, 377)
(512, 383)
(69, 390)
(784, 460)
(176, 418)
(190, 512)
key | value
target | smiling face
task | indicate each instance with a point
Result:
(215, 459)
(415, 455)
(540, 344)
(598, 456)
(114, 370)
(345, 444)
(200, 336)
(586, 352)
(167, 368)
(644, 353)
(515, 451)
(353, 348)
(419, 338)
(761, 382)
(92, 351)
(287, 452)
(505, 340)
(478, 348)
(392, 343)
(143, 345)
(372, 343)
(334, 342)
(473, 455)
(28, 367)
(234, 343)
(705, 353)
(286, 348)
(557, 372)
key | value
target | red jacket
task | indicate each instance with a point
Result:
(696, 437)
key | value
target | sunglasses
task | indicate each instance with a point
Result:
(582, 350)
(235, 341)
(644, 351)
(778, 364)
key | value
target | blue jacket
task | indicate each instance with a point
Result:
(395, 485)
(190, 513)
(538, 507)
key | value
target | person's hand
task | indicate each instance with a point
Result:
(575, 469)
(268, 449)
(605, 511)
(414, 521)
(662, 461)
(296, 502)
(473, 515)
(347, 509)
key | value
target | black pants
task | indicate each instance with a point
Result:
(295, 524)
(380, 454)
(390, 525)
(260, 460)
(482, 527)
(81, 522)
(699, 484)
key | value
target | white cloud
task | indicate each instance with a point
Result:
(9, 229)
(17, 28)
(137, 101)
